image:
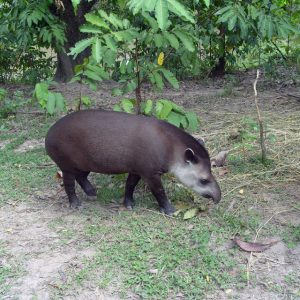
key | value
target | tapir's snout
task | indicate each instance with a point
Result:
(214, 192)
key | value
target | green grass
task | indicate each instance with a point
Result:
(154, 256)
(9, 269)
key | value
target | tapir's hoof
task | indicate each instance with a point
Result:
(76, 204)
(92, 198)
(129, 207)
(129, 204)
(91, 193)
(167, 210)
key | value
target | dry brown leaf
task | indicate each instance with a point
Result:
(219, 159)
(253, 247)
(223, 171)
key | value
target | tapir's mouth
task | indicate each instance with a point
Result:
(215, 199)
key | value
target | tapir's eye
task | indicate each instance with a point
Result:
(204, 181)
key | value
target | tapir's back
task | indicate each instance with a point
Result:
(108, 142)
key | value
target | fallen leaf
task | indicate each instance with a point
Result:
(223, 171)
(207, 278)
(253, 247)
(219, 159)
(191, 213)
(9, 230)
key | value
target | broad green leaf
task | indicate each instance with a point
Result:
(185, 39)
(175, 107)
(170, 77)
(122, 67)
(191, 213)
(158, 108)
(110, 42)
(99, 71)
(81, 46)
(148, 107)
(92, 75)
(130, 86)
(127, 105)
(152, 22)
(166, 109)
(75, 4)
(184, 122)
(180, 10)
(86, 100)
(172, 39)
(158, 40)
(158, 80)
(112, 19)
(270, 28)
(129, 66)
(97, 50)
(116, 92)
(88, 28)
(117, 107)
(150, 5)
(207, 2)
(109, 57)
(96, 20)
(60, 104)
(135, 5)
(162, 14)
(126, 35)
(192, 120)
(91, 83)
(232, 23)
(174, 118)
(51, 103)
(41, 91)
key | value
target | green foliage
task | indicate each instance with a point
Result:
(10, 105)
(164, 110)
(89, 73)
(28, 29)
(50, 102)
(124, 46)
(247, 137)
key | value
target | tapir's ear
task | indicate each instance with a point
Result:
(201, 141)
(189, 156)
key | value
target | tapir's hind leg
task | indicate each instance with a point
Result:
(158, 191)
(82, 180)
(131, 182)
(69, 184)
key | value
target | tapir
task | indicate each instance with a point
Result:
(116, 142)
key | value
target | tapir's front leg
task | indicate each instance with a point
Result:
(131, 182)
(158, 191)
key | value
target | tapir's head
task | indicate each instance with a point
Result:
(193, 169)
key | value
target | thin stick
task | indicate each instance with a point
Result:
(260, 121)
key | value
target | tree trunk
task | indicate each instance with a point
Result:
(219, 68)
(65, 64)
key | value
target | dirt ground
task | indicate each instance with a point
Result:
(26, 225)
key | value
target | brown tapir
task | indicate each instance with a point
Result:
(115, 142)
